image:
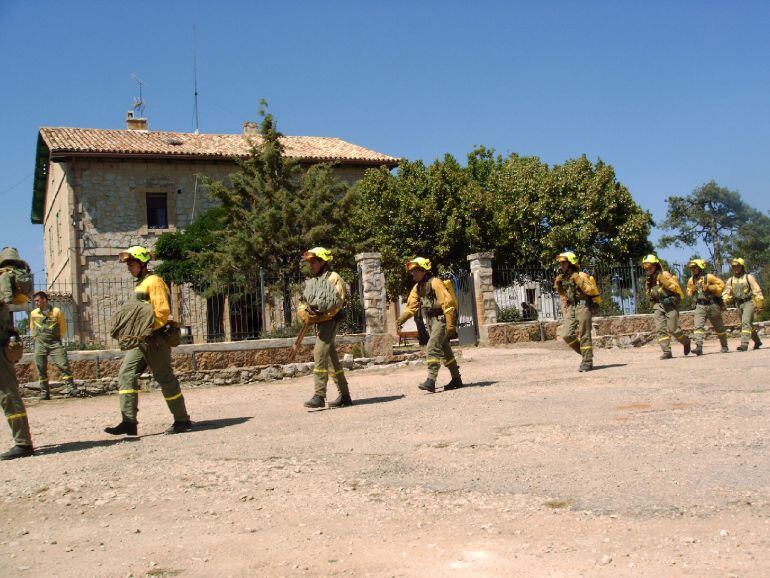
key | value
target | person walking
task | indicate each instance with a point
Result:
(707, 290)
(324, 297)
(579, 293)
(10, 397)
(665, 293)
(744, 291)
(438, 309)
(154, 351)
(48, 326)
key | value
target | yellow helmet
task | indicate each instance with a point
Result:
(738, 261)
(568, 256)
(699, 263)
(420, 262)
(319, 253)
(650, 260)
(135, 253)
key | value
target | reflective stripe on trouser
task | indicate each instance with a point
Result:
(438, 350)
(577, 330)
(667, 325)
(327, 362)
(156, 354)
(45, 349)
(13, 406)
(748, 331)
(712, 313)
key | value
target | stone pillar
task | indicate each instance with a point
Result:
(484, 290)
(373, 283)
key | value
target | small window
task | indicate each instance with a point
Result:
(157, 211)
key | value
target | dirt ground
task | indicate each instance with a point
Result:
(642, 467)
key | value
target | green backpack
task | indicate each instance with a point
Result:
(20, 273)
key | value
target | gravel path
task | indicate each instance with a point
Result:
(643, 467)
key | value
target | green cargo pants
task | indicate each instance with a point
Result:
(748, 331)
(667, 324)
(577, 330)
(438, 350)
(53, 348)
(156, 354)
(713, 313)
(13, 406)
(327, 362)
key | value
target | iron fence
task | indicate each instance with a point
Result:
(263, 308)
(527, 293)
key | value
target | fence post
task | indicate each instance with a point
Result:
(373, 294)
(484, 290)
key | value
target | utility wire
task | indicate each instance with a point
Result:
(16, 184)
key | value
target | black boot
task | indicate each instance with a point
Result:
(586, 366)
(698, 349)
(428, 385)
(179, 427)
(45, 394)
(725, 349)
(742, 347)
(315, 402)
(667, 355)
(342, 401)
(123, 428)
(17, 452)
(456, 383)
(687, 347)
(757, 344)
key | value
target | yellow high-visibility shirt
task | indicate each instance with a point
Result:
(158, 294)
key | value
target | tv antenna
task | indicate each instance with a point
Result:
(195, 80)
(139, 101)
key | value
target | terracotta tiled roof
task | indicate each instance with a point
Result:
(90, 141)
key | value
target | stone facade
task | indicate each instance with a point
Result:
(96, 207)
(375, 299)
(484, 290)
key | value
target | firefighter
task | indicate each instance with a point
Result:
(743, 290)
(48, 326)
(154, 352)
(438, 308)
(325, 295)
(580, 296)
(707, 290)
(10, 398)
(665, 293)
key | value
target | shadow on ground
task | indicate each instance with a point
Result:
(209, 424)
(80, 446)
(609, 365)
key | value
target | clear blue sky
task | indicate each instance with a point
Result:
(673, 93)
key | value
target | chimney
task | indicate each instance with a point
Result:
(250, 127)
(135, 123)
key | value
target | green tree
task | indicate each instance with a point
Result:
(518, 207)
(711, 215)
(181, 252)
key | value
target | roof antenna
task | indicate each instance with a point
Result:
(195, 79)
(139, 102)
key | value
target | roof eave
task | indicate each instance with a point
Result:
(58, 155)
(40, 182)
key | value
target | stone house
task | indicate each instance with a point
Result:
(98, 191)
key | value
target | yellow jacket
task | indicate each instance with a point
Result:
(421, 296)
(708, 283)
(45, 322)
(745, 286)
(154, 289)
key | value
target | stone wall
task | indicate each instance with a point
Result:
(620, 331)
(212, 356)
